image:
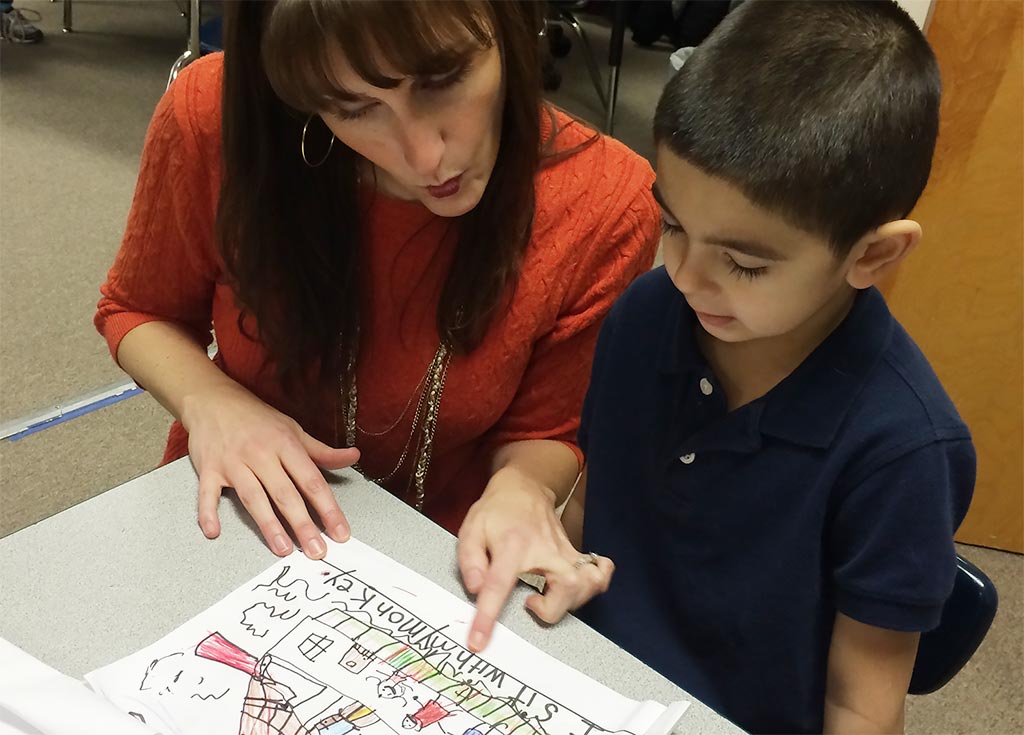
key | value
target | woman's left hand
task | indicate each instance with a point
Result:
(513, 530)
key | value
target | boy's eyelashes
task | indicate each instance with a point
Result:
(741, 272)
(673, 228)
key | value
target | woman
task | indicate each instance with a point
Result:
(400, 249)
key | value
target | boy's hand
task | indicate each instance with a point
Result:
(869, 673)
(513, 530)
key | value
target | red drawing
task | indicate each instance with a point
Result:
(426, 715)
(218, 648)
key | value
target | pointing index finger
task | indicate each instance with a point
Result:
(498, 583)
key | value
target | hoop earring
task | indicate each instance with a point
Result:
(302, 146)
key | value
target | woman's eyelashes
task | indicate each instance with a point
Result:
(445, 81)
(345, 114)
(433, 83)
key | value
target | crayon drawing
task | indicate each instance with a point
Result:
(315, 648)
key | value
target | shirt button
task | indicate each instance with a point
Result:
(705, 387)
(688, 458)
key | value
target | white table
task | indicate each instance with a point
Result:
(109, 576)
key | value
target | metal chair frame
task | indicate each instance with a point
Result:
(189, 10)
(607, 93)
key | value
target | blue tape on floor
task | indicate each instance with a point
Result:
(81, 411)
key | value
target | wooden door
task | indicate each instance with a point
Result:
(960, 294)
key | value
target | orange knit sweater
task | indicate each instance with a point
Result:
(595, 230)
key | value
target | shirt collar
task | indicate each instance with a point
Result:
(808, 407)
(679, 350)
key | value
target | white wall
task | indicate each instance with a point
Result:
(918, 9)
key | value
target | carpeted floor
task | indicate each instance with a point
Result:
(73, 114)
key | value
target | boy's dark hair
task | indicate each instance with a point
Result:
(825, 112)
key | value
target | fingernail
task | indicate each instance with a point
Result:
(316, 547)
(280, 544)
(341, 533)
(473, 580)
(476, 641)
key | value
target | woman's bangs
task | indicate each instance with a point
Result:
(382, 41)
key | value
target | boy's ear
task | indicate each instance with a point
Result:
(879, 252)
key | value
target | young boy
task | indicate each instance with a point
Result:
(771, 463)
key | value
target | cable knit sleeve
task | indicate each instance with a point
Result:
(612, 241)
(166, 268)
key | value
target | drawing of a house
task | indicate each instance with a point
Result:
(282, 698)
(335, 674)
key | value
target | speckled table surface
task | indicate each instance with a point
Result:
(115, 573)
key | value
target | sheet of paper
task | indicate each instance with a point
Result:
(359, 644)
(30, 691)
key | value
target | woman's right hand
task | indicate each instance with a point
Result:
(238, 441)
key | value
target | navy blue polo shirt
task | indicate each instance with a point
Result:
(738, 535)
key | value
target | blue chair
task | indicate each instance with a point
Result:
(966, 618)
(211, 34)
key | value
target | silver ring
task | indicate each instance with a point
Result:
(590, 558)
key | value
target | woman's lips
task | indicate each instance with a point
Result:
(447, 189)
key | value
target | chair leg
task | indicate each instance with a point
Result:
(588, 54)
(194, 19)
(613, 95)
(615, 45)
(192, 52)
(67, 16)
(178, 65)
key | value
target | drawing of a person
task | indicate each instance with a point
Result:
(353, 718)
(179, 675)
(433, 711)
(394, 687)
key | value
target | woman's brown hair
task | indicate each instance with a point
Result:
(290, 234)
